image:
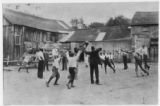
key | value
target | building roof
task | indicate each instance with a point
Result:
(116, 32)
(101, 34)
(83, 35)
(19, 18)
(145, 18)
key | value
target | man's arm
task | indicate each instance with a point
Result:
(99, 49)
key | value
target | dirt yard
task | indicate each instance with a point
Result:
(123, 87)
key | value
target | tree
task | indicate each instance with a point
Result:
(78, 23)
(118, 21)
(96, 25)
(74, 23)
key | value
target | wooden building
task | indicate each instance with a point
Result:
(21, 30)
(144, 31)
(110, 39)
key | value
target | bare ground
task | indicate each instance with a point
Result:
(123, 87)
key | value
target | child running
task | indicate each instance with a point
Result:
(55, 68)
(138, 61)
(107, 62)
(111, 59)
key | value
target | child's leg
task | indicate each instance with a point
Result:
(109, 64)
(140, 65)
(112, 63)
(57, 78)
(71, 71)
(73, 77)
(136, 69)
(105, 67)
(51, 77)
(27, 69)
(19, 69)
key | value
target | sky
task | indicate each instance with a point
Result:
(90, 12)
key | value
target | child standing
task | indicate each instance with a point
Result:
(72, 66)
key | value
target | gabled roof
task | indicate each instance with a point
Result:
(115, 32)
(145, 18)
(19, 18)
(83, 35)
(101, 34)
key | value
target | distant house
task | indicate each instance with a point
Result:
(144, 31)
(21, 29)
(110, 39)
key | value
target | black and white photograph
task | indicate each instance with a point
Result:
(80, 53)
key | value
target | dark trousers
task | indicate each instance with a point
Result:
(56, 74)
(108, 63)
(40, 69)
(146, 66)
(72, 75)
(112, 62)
(94, 69)
(139, 63)
(64, 65)
(46, 65)
(125, 64)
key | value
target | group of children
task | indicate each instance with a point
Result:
(105, 57)
(107, 60)
(72, 59)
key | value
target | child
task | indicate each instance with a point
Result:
(111, 59)
(72, 66)
(86, 57)
(107, 62)
(72, 59)
(55, 68)
(26, 60)
(138, 62)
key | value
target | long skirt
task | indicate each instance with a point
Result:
(40, 69)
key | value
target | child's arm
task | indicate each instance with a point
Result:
(101, 58)
(78, 54)
(67, 55)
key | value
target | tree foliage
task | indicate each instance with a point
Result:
(118, 21)
(78, 23)
(74, 23)
(96, 25)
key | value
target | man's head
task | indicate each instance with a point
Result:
(143, 46)
(92, 48)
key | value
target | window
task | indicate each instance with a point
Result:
(48, 36)
(17, 39)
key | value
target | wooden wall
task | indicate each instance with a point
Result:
(26, 34)
(8, 40)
